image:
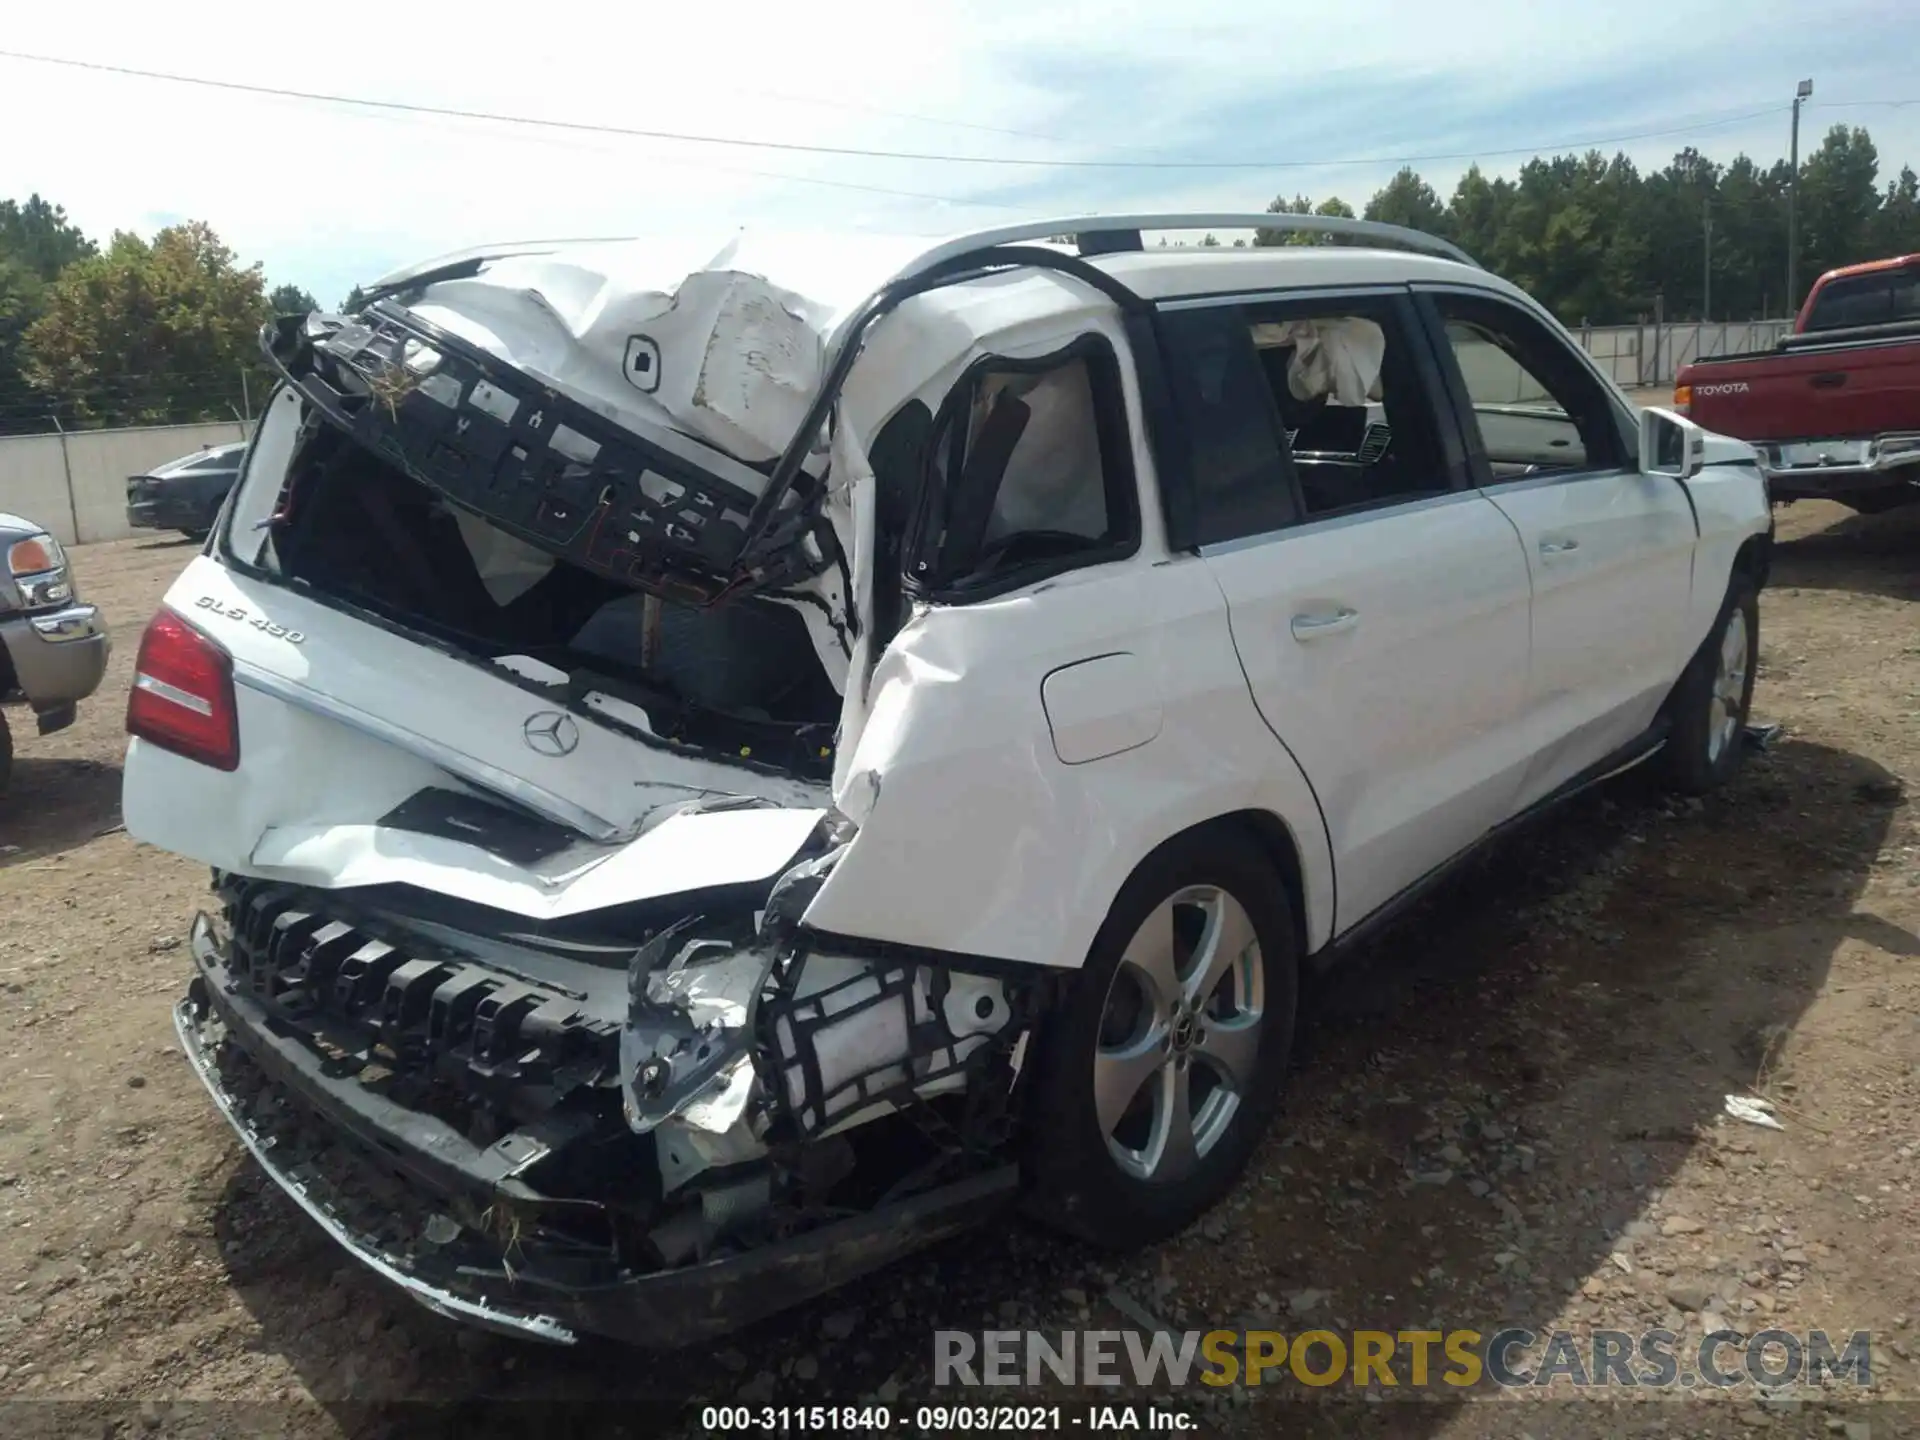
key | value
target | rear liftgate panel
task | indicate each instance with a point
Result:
(635, 502)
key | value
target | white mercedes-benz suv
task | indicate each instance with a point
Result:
(721, 768)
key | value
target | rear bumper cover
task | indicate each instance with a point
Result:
(525, 1324)
(663, 1309)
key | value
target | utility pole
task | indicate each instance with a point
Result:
(66, 464)
(1706, 267)
(1800, 94)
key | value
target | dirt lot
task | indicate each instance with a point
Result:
(1512, 1112)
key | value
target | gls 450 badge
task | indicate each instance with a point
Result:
(241, 613)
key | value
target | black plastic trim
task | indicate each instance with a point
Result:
(432, 1152)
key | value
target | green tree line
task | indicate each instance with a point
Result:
(165, 330)
(1600, 243)
(135, 332)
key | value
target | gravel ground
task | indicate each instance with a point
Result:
(1510, 1112)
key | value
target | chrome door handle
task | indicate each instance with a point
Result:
(1324, 622)
(1558, 547)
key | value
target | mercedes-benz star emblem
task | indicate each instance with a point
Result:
(548, 732)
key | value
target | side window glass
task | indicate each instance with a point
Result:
(1906, 295)
(1031, 475)
(1535, 408)
(1294, 411)
(1240, 478)
(1852, 300)
(1352, 405)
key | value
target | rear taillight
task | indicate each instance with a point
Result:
(1683, 398)
(182, 698)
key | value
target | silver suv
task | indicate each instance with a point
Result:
(716, 777)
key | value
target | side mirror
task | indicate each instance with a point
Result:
(1671, 444)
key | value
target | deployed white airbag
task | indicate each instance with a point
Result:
(1053, 479)
(1339, 359)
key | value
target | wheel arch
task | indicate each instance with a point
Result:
(1270, 837)
(1754, 560)
(1751, 562)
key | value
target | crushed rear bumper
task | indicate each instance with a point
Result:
(339, 1152)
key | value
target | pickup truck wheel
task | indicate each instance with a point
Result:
(6, 753)
(1164, 1066)
(1710, 704)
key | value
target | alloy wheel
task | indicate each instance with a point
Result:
(1729, 687)
(1179, 1034)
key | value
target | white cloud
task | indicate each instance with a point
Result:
(326, 195)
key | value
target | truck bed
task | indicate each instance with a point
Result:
(1835, 384)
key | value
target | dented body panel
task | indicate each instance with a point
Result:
(958, 729)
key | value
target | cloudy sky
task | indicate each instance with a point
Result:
(1106, 108)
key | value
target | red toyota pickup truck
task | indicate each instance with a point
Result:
(1834, 409)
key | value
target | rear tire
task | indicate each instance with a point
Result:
(6, 753)
(1712, 700)
(1157, 1077)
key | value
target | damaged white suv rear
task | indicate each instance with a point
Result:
(718, 772)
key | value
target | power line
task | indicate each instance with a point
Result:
(787, 98)
(856, 187)
(860, 152)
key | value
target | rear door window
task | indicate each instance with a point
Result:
(1298, 410)
(1345, 377)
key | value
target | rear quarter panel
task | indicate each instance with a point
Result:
(982, 840)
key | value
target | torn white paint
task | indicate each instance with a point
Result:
(685, 852)
(708, 344)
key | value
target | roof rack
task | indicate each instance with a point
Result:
(1094, 234)
(1110, 234)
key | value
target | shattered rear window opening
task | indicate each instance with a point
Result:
(741, 680)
